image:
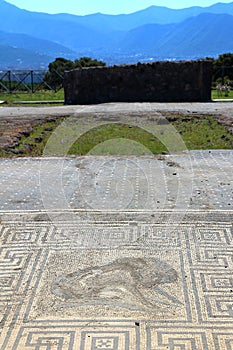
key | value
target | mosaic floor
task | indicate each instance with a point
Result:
(155, 275)
(108, 283)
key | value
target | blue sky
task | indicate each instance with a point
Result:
(82, 7)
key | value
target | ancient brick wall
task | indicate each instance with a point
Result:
(185, 81)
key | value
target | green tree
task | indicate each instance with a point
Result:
(88, 62)
(54, 77)
(223, 67)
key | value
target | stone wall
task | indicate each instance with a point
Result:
(185, 81)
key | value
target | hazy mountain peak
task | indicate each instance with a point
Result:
(156, 32)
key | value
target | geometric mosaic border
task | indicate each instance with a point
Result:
(204, 251)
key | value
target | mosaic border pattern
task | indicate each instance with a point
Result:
(205, 250)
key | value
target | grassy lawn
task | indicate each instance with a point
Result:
(113, 139)
(215, 95)
(199, 132)
(45, 95)
(203, 133)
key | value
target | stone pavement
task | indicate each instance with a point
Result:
(193, 180)
(117, 253)
(224, 108)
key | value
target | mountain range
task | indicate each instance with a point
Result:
(30, 40)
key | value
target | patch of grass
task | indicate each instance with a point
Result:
(197, 132)
(215, 95)
(203, 132)
(33, 144)
(117, 138)
(121, 146)
(45, 95)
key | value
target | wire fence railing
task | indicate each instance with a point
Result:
(29, 81)
(33, 81)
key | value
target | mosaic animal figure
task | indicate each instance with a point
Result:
(133, 283)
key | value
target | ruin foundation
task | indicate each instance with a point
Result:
(185, 81)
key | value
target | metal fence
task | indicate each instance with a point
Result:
(26, 81)
(34, 80)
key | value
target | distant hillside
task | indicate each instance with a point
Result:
(203, 35)
(40, 46)
(13, 58)
(152, 14)
(47, 27)
(155, 32)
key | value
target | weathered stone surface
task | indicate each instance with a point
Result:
(126, 282)
(119, 183)
(186, 81)
(174, 258)
(170, 286)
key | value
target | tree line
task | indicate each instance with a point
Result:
(56, 69)
(222, 69)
